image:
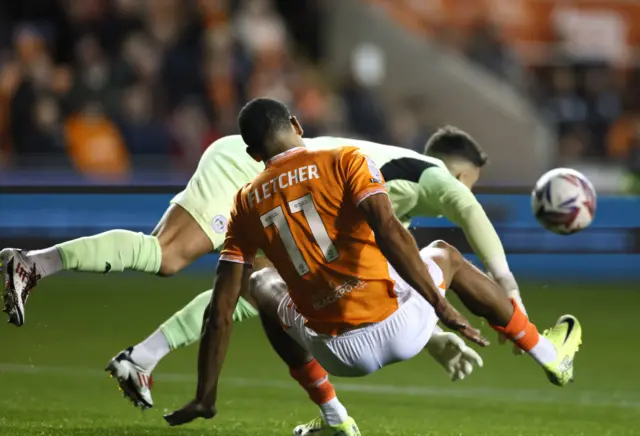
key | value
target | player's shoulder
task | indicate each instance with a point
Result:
(348, 150)
(330, 145)
(345, 155)
(336, 159)
(333, 154)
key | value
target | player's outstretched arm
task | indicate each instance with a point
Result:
(214, 343)
(399, 247)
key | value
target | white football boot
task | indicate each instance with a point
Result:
(134, 381)
(20, 277)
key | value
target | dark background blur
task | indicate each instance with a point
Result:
(135, 90)
(111, 88)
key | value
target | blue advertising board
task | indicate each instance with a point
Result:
(608, 250)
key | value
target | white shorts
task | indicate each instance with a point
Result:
(362, 351)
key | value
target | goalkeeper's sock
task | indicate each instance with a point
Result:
(525, 335)
(47, 261)
(315, 380)
(185, 326)
(149, 352)
(115, 250)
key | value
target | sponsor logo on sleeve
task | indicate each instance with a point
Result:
(376, 176)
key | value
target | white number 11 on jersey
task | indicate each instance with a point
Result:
(276, 217)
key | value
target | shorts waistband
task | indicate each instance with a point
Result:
(362, 329)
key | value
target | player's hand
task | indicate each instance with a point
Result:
(453, 355)
(451, 318)
(502, 339)
(188, 413)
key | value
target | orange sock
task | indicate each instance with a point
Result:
(522, 332)
(315, 380)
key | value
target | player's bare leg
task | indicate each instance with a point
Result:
(268, 289)
(484, 298)
(476, 290)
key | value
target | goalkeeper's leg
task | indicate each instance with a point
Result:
(132, 367)
(183, 328)
(176, 242)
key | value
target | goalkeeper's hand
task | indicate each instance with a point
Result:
(451, 352)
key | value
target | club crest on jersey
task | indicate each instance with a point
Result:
(376, 176)
(219, 224)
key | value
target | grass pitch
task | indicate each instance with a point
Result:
(52, 383)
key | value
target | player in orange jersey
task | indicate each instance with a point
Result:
(355, 300)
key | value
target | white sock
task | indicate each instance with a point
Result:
(543, 352)
(47, 261)
(333, 412)
(149, 352)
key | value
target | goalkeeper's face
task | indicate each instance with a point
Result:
(464, 170)
(469, 175)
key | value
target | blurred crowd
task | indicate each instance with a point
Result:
(109, 86)
(575, 60)
(117, 87)
(593, 106)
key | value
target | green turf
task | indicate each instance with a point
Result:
(51, 381)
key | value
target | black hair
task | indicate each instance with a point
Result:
(450, 141)
(261, 119)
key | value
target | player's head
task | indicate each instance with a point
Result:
(461, 154)
(268, 128)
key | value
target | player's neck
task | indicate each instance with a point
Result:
(288, 151)
(283, 147)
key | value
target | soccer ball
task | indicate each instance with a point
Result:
(564, 201)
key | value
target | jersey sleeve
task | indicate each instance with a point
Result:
(458, 204)
(239, 246)
(361, 175)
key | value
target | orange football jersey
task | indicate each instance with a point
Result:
(302, 211)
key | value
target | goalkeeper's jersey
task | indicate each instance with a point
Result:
(418, 185)
(413, 190)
